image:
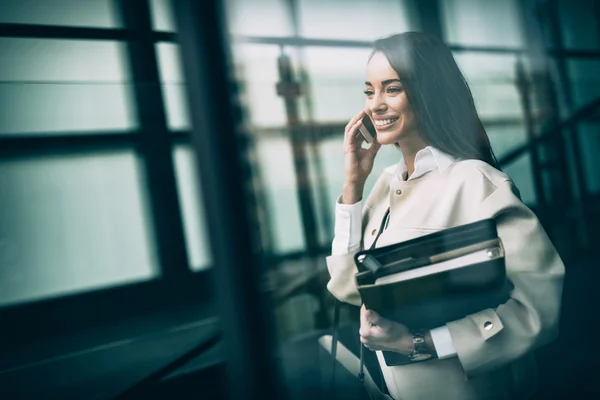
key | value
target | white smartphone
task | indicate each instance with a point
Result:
(367, 130)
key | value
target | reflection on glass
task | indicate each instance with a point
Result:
(175, 101)
(332, 162)
(493, 84)
(521, 173)
(336, 82)
(81, 86)
(584, 80)
(192, 208)
(577, 22)
(62, 60)
(277, 171)
(506, 137)
(72, 223)
(161, 15)
(249, 18)
(256, 66)
(356, 19)
(173, 86)
(589, 142)
(492, 80)
(49, 108)
(482, 23)
(96, 13)
(169, 63)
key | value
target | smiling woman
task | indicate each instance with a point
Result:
(419, 101)
(387, 104)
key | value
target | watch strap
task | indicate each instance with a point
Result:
(420, 352)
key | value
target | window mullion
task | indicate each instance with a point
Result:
(154, 141)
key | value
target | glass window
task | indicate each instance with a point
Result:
(521, 173)
(257, 70)
(82, 86)
(585, 81)
(162, 16)
(337, 79)
(173, 86)
(579, 23)
(55, 60)
(247, 18)
(506, 137)
(49, 108)
(355, 19)
(332, 164)
(96, 13)
(276, 167)
(491, 78)
(482, 23)
(256, 66)
(86, 217)
(321, 199)
(589, 141)
(192, 208)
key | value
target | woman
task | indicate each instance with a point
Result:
(448, 176)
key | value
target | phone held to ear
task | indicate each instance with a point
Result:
(367, 129)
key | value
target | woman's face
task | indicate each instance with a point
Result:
(387, 104)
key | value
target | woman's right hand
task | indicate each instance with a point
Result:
(358, 161)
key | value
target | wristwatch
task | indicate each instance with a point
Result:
(420, 353)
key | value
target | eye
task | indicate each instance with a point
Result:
(368, 92)
(394, 89)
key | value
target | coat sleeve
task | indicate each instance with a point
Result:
(492, 338)
(341, 267)
(341, 283)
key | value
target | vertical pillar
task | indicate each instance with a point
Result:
(245, 314)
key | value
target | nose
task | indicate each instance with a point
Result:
(377, 104)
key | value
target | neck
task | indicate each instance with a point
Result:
(410, 146)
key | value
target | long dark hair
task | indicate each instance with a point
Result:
(438, 94)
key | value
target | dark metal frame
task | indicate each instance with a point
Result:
(38, 31)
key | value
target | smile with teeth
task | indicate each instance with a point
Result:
(384, 123)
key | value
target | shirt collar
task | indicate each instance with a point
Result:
(426, 160)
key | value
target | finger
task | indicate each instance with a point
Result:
(365, 325)
(348, 140)
(353, 121)
(365, 330)
(375, 146)
(356, 118)
(374, 318)
(353, 137)
(363, 316)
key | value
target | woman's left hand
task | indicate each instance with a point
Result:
(378, 333)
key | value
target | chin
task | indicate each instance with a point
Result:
(389, 137)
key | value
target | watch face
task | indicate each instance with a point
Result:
(420, 357)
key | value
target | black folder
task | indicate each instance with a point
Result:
(434, 279)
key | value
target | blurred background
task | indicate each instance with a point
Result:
(110, 231)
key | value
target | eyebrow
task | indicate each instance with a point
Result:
(386, 82)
